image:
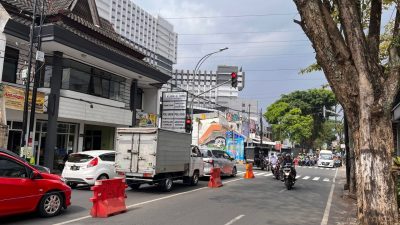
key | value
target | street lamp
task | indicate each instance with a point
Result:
(202, 60)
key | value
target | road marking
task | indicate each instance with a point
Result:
(147, 202)
(326, 180)
(321, 168)
(333, 169)
(316, 178)
(234, 220)
(241, 172)
(298, 176)
(267, 175)
(306, 178)
(261, 174)
(328, 203)
(309, 167)
(282, 190)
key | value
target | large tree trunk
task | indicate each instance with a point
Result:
(366, 91)
(376, 200)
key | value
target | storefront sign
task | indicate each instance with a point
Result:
(15, 98)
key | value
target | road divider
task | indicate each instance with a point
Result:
(108, 197)
(215, 178)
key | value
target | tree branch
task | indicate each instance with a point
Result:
(374, 29)
(393, 78)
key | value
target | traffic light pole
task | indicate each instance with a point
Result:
(196, 96)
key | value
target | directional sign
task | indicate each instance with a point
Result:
(174, 111)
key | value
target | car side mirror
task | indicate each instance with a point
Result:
(35, 175)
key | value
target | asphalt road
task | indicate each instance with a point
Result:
(262, 200)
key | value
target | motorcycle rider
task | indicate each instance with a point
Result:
(287, 160)
(272, 159)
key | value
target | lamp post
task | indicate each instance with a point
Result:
(201, 61)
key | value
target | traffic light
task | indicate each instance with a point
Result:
(234, 79)
(188, 124)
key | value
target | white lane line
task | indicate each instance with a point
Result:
(333, 169)
(267, 175)
(309, 167)
(316, 178)
(328, 203)
(261, 174)
(241, 172)
(326, 180)
(147, 202)
(234, 220)
(321, 168)
(282, 190)
(306, 178)
(298, 176)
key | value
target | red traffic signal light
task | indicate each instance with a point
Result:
(188, 125)
(234, 79)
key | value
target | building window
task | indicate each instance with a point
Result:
(10, 65)
(88, 80)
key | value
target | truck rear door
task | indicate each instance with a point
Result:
(126, 158)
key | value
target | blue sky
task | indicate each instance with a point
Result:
(269, 47)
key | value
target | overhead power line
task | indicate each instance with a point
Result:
(245, 42)
(244, 56)
(231, 16)
(242, 32)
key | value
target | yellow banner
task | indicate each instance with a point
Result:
(15, 96)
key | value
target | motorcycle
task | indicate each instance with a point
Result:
(288, 176)
(265, 164)
(276, 172)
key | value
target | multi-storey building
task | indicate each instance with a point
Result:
(90, 82)
(152, 36)
(203, 81)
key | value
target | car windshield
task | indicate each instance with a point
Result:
(79, 158)
(326, 156)
(218, 153)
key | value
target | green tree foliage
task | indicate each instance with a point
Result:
(298, 116)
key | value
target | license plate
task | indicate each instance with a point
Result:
(74, 167)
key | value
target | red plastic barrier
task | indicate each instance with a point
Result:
(215, 178)
(108, 197)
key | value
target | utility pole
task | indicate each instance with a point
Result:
(248, 138)
(24, 136)
(261, 128)
(37, 72)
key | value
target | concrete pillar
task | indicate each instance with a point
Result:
(52, 110)
(81, 134)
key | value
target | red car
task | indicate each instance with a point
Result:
(23, 188)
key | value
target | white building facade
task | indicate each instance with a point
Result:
(152, 36)
(205, 80)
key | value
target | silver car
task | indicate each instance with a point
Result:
(214, 158)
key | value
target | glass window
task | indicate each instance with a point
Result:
(9, 168)
(79, 81)
(10, 65)
(109, 157)
(79, 158)
(106, 88)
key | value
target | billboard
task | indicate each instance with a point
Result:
(235, 145)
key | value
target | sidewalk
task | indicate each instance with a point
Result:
(343, 209)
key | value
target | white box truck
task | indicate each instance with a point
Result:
(157, 156)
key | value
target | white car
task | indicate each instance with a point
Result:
(88, 166)
(214, 158)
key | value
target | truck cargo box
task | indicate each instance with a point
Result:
(151, 151)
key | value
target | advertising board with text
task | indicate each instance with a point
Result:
(174, 111)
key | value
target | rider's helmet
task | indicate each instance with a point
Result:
(272, 154)
(287, 156)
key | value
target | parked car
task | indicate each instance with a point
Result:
(218, 159)
(88, 166)
(23, 188)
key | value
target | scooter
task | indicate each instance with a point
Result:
(276, 172)
(288, 176)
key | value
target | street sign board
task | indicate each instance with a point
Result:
(174, 111)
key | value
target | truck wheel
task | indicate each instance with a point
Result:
(51, 204)
(194, 179)
(167, 184)
(134, 186)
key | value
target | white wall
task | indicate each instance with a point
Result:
(151, 100)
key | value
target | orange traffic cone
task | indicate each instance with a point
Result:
(249, 171)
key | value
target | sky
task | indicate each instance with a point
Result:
(260, 34)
